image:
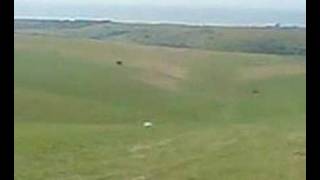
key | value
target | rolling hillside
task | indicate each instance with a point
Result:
(216, 114)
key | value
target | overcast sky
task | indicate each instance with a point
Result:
(271, 4)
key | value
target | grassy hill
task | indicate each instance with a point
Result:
(270, 40)
(217, 115)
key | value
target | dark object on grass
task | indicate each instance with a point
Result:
(299, 153)
(255, 92)
(119, 62)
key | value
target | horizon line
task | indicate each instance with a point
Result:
(48, 18)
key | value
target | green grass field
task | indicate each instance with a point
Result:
(78, 115)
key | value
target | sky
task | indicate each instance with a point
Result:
(255, 4)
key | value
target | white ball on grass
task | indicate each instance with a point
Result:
(147, 124)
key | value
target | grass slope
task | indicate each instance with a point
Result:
(78, 115)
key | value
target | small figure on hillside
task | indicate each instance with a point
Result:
(147, 124)
(255, 92)
(119, 62)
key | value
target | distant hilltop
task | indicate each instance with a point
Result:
(268, 39)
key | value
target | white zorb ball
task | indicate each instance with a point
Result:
(147, 124)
